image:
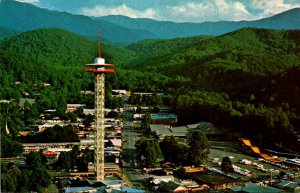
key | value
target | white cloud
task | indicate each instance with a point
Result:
(198, 11)
(123, 9)
(272, 7)
(210, 11)
(207, 10)
(28, 1)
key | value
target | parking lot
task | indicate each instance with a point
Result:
(246, 162)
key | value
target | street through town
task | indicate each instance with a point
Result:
(132, 175)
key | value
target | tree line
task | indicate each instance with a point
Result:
(32, 177)
(194, 151)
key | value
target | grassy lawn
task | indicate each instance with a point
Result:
(50, 189)
(136, 124)
(54, 173)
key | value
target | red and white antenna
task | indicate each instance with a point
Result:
(99, 45)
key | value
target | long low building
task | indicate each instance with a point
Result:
(214, 180)
(161, 131)
(28, 147)
(211, 132)
(255, 188)
(164, 118)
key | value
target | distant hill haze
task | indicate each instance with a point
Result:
(125, 30)
(24, 17)
(166, 29)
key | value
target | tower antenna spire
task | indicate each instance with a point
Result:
(99, 68)
(99, 45)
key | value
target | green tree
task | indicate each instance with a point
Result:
(226, 164)
(64, 160)
(24, 182)
(174, 151)
(156, 109)
(146, 122)
(139, 110)
(86, 157)
(198, 148)
(15, 174)
(33, 160)
(9, 147)
(112, 114)
(73, 117)
(74, 155)
(58, 134)
(40, 178)
(7, 183)
(148, 152)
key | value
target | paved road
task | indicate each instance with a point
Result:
(132, 175)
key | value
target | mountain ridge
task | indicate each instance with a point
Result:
(287, 20)
(124, 30)
(251, 42)
(28, 17)
(7, 32)
(246, 80)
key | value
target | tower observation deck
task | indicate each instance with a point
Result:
(99, 68)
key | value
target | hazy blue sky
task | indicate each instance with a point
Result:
(173, 10)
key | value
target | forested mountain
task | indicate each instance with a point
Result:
(166, 29)
(285, 20)
(159, 47)
(52, 47)
(255, 51)
(246, 80)
(58, 57)
(51, 56)
(27, 17)
(5, 32)
(244, 60)
(124, 30)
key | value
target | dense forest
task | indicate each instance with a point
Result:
(6, 32)
(246, 80)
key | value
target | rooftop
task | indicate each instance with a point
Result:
(127, 189)
(160, 129)
(112, 182)
(212, 178)
(163, 116)
(23, 100)
(255, 188)
(80, 189)
(207, 128)
(181, 129)
(116, 142)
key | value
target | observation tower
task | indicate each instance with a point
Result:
(99, 68)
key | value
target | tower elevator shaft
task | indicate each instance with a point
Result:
(99, 118)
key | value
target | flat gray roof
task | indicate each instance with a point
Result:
(255, 188)
(161, 130)
(181, 129)
(206, 128)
